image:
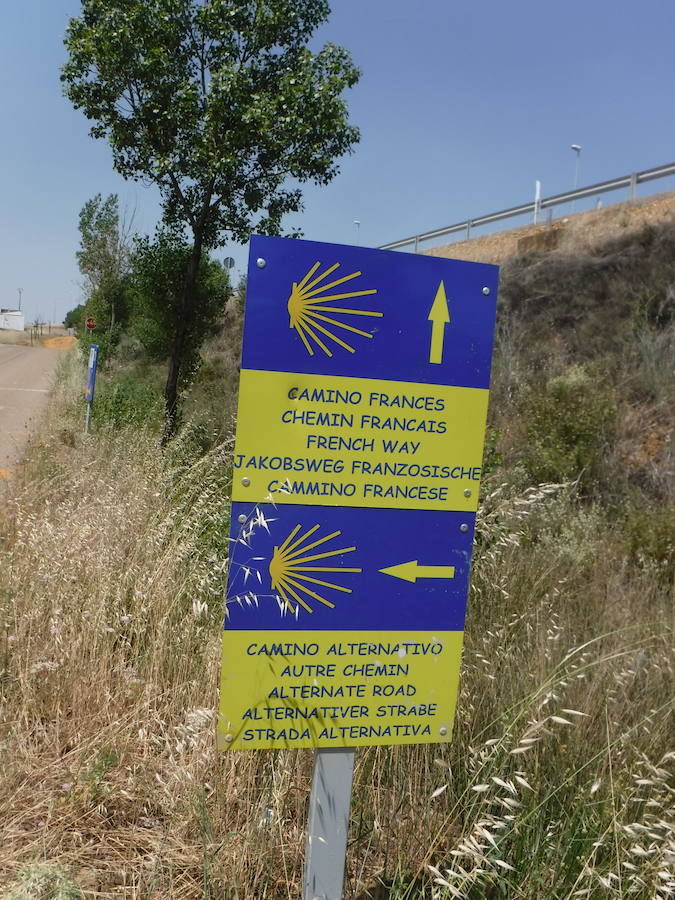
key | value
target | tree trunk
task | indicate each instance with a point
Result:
(112, 324)
(184, 321)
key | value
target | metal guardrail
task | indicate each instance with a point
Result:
(602, 187)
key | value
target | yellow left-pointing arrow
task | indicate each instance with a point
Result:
(439, 316)
(411, 571)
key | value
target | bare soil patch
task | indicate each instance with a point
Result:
(63, 342)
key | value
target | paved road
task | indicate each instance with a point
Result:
(26, 377)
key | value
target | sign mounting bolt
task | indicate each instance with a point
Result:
(260, 262)
(443, 730)
(467, 492)
(241, 519)
(486, 290)
(464, 527)
(246, 481)
(228, 738)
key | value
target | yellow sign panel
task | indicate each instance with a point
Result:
(345, 688)
(329, 440)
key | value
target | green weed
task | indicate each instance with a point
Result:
(569, 424)
(38, 881)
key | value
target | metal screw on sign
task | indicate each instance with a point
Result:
(464, 527)
(467, 492)
(260, 263)
(241, 519)
(246, 481)
(486, 291)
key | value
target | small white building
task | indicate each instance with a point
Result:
(12, 320)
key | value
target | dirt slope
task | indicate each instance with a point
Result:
(577, 232)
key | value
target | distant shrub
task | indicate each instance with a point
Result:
(569, 423)
(492, 457)
(652, 375)
(650, 531)
(106, 339)
(127, 401)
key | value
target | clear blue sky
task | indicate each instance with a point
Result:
(461, 106)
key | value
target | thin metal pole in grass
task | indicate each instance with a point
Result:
(328, 824)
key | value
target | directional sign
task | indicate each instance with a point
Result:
(91, 373)
(362, 406)
(91, 384)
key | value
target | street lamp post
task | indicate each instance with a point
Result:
(577, 150)
(20, 290)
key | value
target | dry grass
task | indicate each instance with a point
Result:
(52, 336)
(14, 337)
(111, 593)
(574, 233)
(559, 780)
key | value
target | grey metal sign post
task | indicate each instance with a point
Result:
(328, 824)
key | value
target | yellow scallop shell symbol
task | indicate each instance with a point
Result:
(309, 304)
(289, 569)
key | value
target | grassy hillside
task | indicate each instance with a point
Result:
(558, 783)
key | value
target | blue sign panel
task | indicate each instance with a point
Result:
(338, 569)
(377, 302)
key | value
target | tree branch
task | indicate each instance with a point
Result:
(181, 197)
(171, 176)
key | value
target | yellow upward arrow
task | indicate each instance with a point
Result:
(439, 316)
(411, 571)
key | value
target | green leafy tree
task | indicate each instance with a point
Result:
(222, 105)
(104, 251)
(103, 259)
(157, 278)
(73, 318)
(109, 307)
(240, 293)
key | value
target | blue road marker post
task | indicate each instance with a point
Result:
(91, 384)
